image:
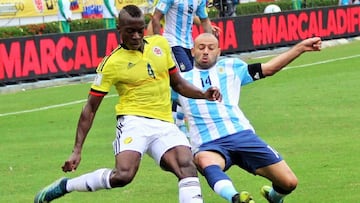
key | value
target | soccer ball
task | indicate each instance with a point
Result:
(272, 8)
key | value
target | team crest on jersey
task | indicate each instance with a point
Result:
(128, 140)
(221, 69)
(157, 51)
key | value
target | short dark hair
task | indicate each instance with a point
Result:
(133, 10)
(129, 10)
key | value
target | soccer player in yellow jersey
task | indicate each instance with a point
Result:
(142, 71)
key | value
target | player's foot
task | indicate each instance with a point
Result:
(52, 191)
(265, 191)
(243, 197)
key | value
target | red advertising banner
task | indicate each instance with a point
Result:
(249, 33)
(50, 56)
(63, 55)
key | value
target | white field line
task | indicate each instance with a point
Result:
(322, 62)
(84, 100)
(49, 107)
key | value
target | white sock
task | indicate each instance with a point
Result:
(225, 189)
(189, 190)
(90, 182)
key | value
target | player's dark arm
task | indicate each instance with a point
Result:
(84, 124)
(85, 121)
(155, 20)
(277, 63)
(186, 89)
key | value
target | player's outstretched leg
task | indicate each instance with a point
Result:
(52, 191)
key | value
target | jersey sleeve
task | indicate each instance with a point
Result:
(241, 70)
(201, 10)
(104, 78)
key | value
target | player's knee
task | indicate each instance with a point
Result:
(121, 178)
(287, 186)
(292, 183)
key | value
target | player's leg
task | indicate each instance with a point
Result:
(283, 181)
(211, 162)
(259, 158)
(96, 180)
(178, 160)
(128, 152)
(127, 162)
(130, 144)
(171, 150)
(126, 166)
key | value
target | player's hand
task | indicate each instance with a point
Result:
(216, 30)
(312, 44)
(213, 94)
(72, 163)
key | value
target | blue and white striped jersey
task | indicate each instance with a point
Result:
(210, 120)
(179, 17)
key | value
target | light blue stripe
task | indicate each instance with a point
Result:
(211, 106)
(179, 20)
(199, 122)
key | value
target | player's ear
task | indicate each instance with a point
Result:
(193, 51)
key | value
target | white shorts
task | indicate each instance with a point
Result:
(146, 135)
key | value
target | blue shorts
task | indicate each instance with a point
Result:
(183, 58)
(244, 149)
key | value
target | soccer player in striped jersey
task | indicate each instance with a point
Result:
(179, 18)
(141, 69)
(221, 135)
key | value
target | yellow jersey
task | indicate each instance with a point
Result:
(142, 79)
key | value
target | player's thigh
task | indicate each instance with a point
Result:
(279, 173)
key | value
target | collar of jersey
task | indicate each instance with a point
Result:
(125, 47)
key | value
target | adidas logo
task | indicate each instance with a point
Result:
(199, 196)
(130, 65)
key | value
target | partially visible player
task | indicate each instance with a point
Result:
(179, 18)
(220, 134)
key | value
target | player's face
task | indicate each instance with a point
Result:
(206, 50)
(132, 32)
